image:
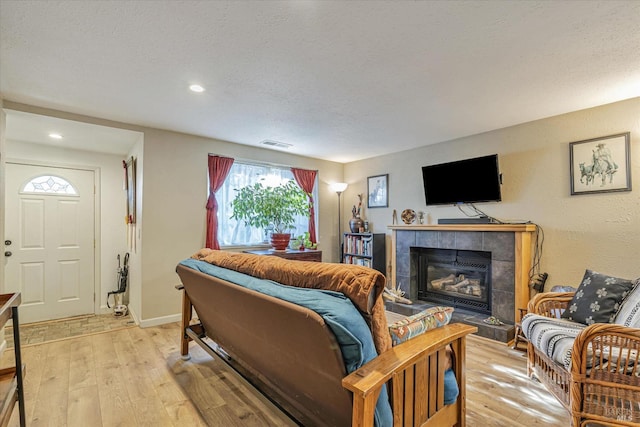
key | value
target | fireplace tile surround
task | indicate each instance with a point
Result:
(510, 247)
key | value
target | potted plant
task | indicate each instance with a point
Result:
(272, 208)
(303, 242)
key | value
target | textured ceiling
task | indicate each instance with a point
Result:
(338, 80)
(33, 128)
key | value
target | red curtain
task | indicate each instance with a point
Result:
(306, 179)
(218, 170)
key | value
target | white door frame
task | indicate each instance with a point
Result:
(97, 285)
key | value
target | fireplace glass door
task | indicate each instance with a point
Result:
(458, 278)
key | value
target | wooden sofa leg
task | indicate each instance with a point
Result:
(530, 360)
(187, 309)
(364, 408)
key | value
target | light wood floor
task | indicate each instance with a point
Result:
(53, 330)
(135, 377)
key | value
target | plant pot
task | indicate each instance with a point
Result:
(355, 224)
(280, 241)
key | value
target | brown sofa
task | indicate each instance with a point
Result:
(291, 355)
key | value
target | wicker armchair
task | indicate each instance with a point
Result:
(602, 384)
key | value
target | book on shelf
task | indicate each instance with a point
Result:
(357, 244)
(365, 262)
(366, 249)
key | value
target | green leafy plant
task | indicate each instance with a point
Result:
(270, 207)
(307, 241)
(303, 241)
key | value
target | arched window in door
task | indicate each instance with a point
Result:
(49, 184)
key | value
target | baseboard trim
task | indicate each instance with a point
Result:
(157, 321)
(134, 316)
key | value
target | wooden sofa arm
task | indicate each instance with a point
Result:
(550, 304)
(419, 357)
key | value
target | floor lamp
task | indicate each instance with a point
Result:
(339, 187)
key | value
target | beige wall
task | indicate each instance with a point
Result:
(173, 192)
(597, 231)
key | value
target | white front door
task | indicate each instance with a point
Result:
(49, 247)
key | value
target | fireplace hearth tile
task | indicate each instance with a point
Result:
(501, 245)
(502, 305)
(427, 239)
(471, 241)
(404, 283)
(406, 239)
(501, 333)
(447, 240)
(502, 275)
(403, 266)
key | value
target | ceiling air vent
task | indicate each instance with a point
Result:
(276, 144)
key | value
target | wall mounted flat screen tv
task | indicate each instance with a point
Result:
(463, 181)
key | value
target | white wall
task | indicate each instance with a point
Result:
(112, 237)
(597, 231)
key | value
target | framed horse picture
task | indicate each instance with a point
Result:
(600, 165)
(378, 191)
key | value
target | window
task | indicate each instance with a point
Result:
(232, 232)
(49, 184)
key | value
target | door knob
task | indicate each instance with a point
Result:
(8, 242)
(8, 253)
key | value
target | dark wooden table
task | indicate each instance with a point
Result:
(306, 255)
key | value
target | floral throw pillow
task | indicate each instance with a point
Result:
(598, 298)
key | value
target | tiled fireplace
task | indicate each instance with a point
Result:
(480, 269)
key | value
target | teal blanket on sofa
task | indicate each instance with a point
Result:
(349, 327)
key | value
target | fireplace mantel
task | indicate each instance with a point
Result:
(522, 251)
(520, 228)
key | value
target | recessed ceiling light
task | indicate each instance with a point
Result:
(196, 88)
(55, 136)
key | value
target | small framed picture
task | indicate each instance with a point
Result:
(378, 191)
(600, 165)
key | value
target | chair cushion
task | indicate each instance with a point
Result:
(554, 337)
(419, 323)
(629, 313)
(598, 298)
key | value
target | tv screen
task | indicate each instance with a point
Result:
(463, 181)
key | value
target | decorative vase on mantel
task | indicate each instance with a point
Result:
(356, 223)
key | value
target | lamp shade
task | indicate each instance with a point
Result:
(339, 187)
